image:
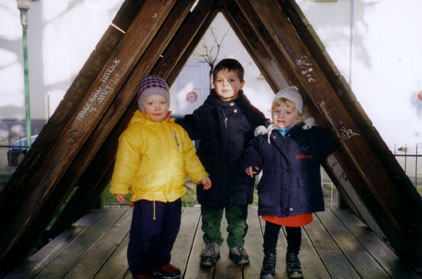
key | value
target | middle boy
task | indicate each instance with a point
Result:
(224, 124)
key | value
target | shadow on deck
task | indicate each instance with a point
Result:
(335, 245)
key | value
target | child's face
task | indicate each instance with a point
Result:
(227, 84)
(284, 116)
(157, 107)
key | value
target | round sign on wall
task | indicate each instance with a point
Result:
(191, 97)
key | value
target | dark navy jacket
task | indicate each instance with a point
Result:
(291, 180)
(224, 129)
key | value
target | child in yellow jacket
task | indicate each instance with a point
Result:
(154, 157)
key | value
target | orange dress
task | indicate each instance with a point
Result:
(290, 221)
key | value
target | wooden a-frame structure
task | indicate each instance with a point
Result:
(72, 160)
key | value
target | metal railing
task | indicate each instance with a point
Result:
(409, 158)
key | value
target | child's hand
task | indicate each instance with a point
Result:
(251, 171)
(121, 198)
(206, 182)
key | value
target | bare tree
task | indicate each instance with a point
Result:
(209, 52)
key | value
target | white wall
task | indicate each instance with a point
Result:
(384, 70)
(61, 35)
(385, 73)
(256, 88)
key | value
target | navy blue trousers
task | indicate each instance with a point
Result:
(153, 231)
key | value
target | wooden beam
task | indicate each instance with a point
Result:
(254, 38)
(102, 131)
(348, 192)
(169, 66)
(342, 177)
(397, 220)
(280, 65)
(185, 41)
(92, 184)
(344, 92)
(72, 98)
(35, 192)
(249, 26)
(184, 56)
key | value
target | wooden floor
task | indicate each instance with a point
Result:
(335, 245)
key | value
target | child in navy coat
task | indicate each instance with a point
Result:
(224, 124)
(289, 153)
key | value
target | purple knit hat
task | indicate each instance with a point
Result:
(152, 85)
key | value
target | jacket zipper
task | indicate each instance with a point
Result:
(175, 138)
(225, 118)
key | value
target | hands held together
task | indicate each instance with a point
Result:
(251, 171)
(206, 182)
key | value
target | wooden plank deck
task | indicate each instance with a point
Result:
(335, 245)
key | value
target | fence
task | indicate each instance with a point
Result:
(409, 159)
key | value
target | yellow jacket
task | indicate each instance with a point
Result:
(153, 160)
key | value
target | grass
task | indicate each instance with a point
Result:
(107, 196)
(3, 180)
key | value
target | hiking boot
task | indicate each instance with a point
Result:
(293, 267)
(238, 255)
(167, 271)
(268, 266)
(210, 254)
(143, 276)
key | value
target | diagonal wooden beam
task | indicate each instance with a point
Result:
(344, 92)
(257, 32)
(35, 191)
(401, 216)
(94, 177)
(83, 81)
(186, 39)
(183, 57)
(259, 46)
(102, 131)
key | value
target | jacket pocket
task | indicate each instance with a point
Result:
(264, 199)
(264, 192)
(308, 189)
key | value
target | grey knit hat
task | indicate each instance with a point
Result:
(152, 85)
(291, 93)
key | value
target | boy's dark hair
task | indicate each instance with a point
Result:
(231, 65)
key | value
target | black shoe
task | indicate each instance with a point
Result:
(268, 266)
(210, 254)
(167, 271)
(238, 255)
(293, 267)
